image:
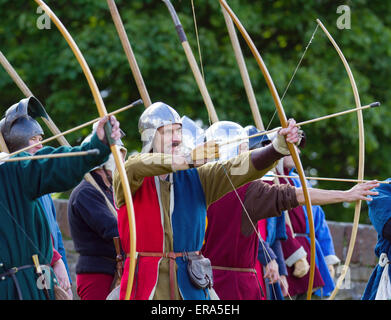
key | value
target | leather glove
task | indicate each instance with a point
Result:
(203, 153)
(280, 144)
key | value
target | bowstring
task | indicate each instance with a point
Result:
(294, 73)
(198, 40)
(266, 253)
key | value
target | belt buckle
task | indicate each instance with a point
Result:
(13, 270)
(170, 255)
(185, 255)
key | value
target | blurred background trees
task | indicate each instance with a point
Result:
(281, 30)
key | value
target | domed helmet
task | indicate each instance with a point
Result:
(155, 116)
(19, 125)
(223, 131)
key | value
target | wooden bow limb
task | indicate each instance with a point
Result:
(114, 148)
(193, 63)
(129, 53)
(26, 91)
(361, 159)
(299, 124)
(292, 148)
(54, 155)
(243, 70)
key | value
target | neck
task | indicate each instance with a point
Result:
(163, 176)
(104, 177)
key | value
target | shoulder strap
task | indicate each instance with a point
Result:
(92, 181)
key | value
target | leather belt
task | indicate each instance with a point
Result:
(172, 256)
(301, 235)
(11, 273)
(234, 269)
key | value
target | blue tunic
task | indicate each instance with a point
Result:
(188, 225)
(379, 214)
(50, 213)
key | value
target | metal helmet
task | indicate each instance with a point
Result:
(256, 142)
(192, 134)
(18, 125)
(155, 116)
(223, 131)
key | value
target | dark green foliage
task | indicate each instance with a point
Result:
(280, 29)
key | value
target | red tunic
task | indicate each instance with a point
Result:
(226, 246)
(149, 239)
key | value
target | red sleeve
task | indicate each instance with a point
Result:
(56, 255)
(264, 200)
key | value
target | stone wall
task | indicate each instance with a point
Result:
(363, 259)
(362, 262)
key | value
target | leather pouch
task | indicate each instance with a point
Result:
(200, 271)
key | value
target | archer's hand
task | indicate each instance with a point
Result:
(115, 131)
(361, 191)
(290, 134)
(203, 153)
(272, 271)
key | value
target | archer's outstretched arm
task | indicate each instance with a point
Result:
(321, 197)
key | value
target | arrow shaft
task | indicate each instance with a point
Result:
(299, 124)
(325, 179)
(51, 156)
